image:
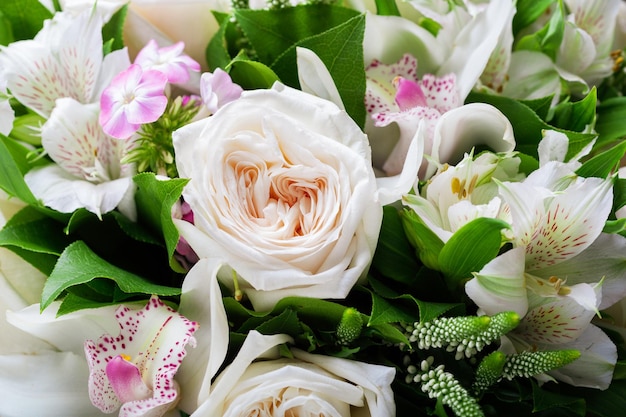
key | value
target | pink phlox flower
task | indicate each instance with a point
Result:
(133, 98)
(218, 89)
(170, 60)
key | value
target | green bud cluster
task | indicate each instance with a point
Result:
(240, 4)
(527, 364)
(442, 385)
(465, 335)
(489, 371)
(350, 326)
(277, 4)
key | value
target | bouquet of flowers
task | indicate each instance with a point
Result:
(312, 208)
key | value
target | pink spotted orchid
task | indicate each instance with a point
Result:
(550, 278)
(133, 98)
(135, 370)
(395, 94)
(169, 60)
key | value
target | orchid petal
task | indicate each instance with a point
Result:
(475, 43)
(60, 375)
(126, 380)
(531, 75)
(500, 285)
(202, 301)
(155, 339)
(462, 128)
(594, 368)
(388, 38)
(314, 77)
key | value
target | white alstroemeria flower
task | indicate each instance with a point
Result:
(554, 315)
(458, 194)
(306, 384)
(7, 115)
(88, 170)
(64, 59)
(621, 213)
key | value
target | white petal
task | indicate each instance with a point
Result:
(475, 43)
(7, 116)
(45, 385)
(202, 302)
(314, 77)
(254, 347)
(602, 261)
(459, 130)
(67, 332)
(594, 368)
(531, 75)
(500, 285)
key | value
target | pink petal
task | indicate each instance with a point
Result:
(126, 380)
(408, 94)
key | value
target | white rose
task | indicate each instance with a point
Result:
(282, 190)
(305, 385)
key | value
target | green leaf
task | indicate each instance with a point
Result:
(338, 48)
(385, 311)
(426, 242)
(250, 74)
(610, 124)
(576, 116)
(72, 302)
(470, 248)
(30, 230)
(527, 12)
(6, 30)
(546, 400)
(286, 322)
(272, 32)
(604, 163)
(26, 16)
(114, 29)
(217, 55)
(11, 175)
(528, 127)
(79, 265)
(608, 403)
(155, 199)
(394, 256)
(548, 39)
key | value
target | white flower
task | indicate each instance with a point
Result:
(88, 170)
(286, 195)
(63, 60)
(305, 385)
(7, 116)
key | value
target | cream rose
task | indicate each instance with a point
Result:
(308, 384)
(282, 190)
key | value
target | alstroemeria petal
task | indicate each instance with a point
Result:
(63, 192)
(602, 261)
(500, 285)
(571, 223)
(60, 375)
(594, 368)
(556, 322)
(531, 75)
